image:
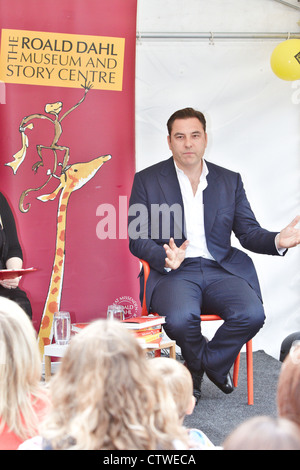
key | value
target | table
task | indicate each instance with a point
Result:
(55, 350)
(52, 350)
(168, 344)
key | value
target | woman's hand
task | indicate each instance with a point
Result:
(12, 263)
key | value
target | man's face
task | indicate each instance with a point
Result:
(187, 142)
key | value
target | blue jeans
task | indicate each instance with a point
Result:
(202, 286)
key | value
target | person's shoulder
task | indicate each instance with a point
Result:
(220, 169)
(34, 443)
(199, 440)
(229, 177)
(157, 167)
(4, 205)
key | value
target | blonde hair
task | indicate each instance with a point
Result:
(178, 379)
(20, 371)
(106, 397)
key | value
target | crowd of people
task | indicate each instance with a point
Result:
(109, 395)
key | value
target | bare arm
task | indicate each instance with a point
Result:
(12, 263)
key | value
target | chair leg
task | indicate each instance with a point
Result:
(250, 372)
(236, 368)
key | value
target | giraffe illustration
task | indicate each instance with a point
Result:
(52, 116)
(73, 177)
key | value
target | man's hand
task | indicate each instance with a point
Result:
(290, 235)
(175, 254)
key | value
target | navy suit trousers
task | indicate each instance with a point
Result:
(202, 286)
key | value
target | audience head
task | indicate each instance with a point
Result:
(264, 433)
(179, 381)
(20, 369)
(288, 389)
(105, 395)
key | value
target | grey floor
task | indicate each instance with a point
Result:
(217, 414)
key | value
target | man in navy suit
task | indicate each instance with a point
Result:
(182, 212)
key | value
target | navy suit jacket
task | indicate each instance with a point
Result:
(226, 210)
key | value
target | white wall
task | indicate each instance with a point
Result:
(217, 15)
(253, 120)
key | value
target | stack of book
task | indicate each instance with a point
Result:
(77, 327)
(147, 330)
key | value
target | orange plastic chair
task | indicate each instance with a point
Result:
(249, 353)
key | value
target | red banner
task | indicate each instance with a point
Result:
(67, 157)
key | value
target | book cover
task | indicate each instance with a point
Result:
(150, 345)
(148, 331)
(138, 323)
(149, 338)
(77, 327)
(13, 273)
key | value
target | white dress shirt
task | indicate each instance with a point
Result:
(194, 213)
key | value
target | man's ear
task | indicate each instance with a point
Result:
(169, 141)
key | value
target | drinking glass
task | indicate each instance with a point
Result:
(115, 312)
(62, 327)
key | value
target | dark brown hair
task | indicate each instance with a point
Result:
(185, 114)
(288, 388)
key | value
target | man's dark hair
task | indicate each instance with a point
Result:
(185, 114)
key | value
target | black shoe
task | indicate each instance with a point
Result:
(226, 387)
(197, 395)
(197, 377)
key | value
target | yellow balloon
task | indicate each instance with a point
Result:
(285, 60)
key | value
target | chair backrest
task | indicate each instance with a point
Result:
(146, 269)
